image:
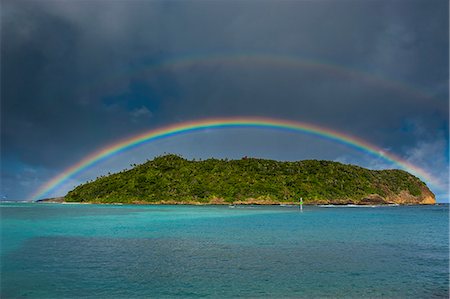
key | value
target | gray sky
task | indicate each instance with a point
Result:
(79, 75)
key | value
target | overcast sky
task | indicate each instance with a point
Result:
(79, 75)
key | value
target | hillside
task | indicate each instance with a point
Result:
(171, 179)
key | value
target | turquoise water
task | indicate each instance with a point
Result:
(104, 251)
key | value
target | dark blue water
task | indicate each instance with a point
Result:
(101, 251)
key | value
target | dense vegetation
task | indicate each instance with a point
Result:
(171, 178)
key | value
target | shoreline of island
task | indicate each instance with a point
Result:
(250, 202)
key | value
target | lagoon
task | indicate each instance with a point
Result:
(129, 251)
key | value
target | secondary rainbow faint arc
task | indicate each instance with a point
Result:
(235, 122)
(242, 58)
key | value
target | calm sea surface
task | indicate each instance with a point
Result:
(104, 251)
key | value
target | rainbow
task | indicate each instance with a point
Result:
(187, 62)
(233, 122)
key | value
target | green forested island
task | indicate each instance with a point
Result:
(171, 179)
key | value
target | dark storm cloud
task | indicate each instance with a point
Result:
(72, 71)
(49, 71)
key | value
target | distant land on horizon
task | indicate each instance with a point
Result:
(171, 179)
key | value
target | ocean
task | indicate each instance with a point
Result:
(111, 251)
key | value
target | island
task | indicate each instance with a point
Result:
(171, 179)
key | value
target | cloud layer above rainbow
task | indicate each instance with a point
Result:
(232, 122)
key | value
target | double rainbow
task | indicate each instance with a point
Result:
(233, 122)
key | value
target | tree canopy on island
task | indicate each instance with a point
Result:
(173, 179)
